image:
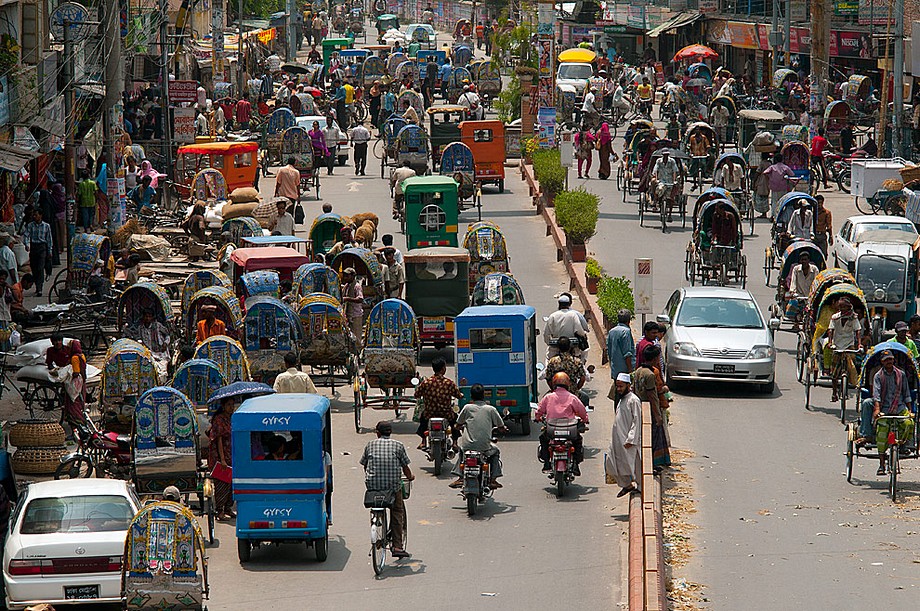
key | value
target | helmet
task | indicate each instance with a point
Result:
(171, 493)
(561, 379)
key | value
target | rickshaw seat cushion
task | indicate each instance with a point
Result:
(379, 499)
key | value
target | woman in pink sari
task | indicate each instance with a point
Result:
(147, 170)
(605, 149)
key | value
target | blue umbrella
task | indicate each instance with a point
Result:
(240, 388)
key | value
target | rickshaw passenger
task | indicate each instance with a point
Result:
(724, 227)
(436, 392)
(729, 176)
(385, 461)
(666, 174)
(800, 281)
(801, 222)
(409, 113)
(155, 336)
(891, 397)
(477, 420)
(843, 333)
(396, 179)
(210, 325)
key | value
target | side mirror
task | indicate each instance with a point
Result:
(663, 319)
(774, 324)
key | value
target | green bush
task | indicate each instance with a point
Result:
(508, 102)
(576, 213)
(548, 170)
(593, 269)
(614, 294)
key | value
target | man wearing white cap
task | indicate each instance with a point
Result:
(566, 322)
(624, 461)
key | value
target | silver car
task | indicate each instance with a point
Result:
(717, 334)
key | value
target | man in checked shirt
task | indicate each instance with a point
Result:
(37, 239)
(437, 392)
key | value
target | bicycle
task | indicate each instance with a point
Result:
(378, 501)
(893, 453)
(841, 379)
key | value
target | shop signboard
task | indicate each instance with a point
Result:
(635, 16)
(183, 92)
(709, 6)
(184, 125)
(850, 44)
(743, 35)
(846, 7)
(798, 12)
(874, 12)
(717, 31)
(546, 123)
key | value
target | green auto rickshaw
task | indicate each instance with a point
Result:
(431, 211)
(438, 289)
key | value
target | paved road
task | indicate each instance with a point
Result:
(523, 547)
(779, 525)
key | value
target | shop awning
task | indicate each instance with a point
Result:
(682, 19)
(13, 158)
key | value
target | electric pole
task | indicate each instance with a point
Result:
(113, 122)
(820, 59)
(165, 121)
(70, 128)
(788, 34)
(897, 143)
(775, 36)
(291, 35)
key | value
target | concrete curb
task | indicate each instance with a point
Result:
(646, 577)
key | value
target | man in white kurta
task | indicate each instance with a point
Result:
(624, 459)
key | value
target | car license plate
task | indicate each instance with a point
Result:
(723, 368)
(81, 592)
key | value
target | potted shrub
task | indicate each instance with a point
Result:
(593, 273)
(576, 213)
(613, 295)
(549, 173)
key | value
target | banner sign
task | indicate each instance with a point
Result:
(183, 92)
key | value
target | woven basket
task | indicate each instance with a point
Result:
(37, 461)
(892, 185)
(36, 434)
(909, 173)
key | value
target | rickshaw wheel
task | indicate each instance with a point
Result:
(850, 453)
(896, 206)
(243, 550)
(767, 266)
(866, 208)
(799, 359)
(211, 527)
(743, 271)
(893, 466)
(844, 390)
(692, 271)
(808, 373)
(321, 548)
(687, 265)
(525, 425)
(316, 183)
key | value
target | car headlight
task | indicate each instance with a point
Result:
(686, 349)
(760, 352)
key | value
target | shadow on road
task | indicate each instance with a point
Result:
(293, 557)
(702, 390)
(402, 568)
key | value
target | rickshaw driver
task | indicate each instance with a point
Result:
(476, 421)
(801, 222)
(568, 323)
(346, 240)
(560, 404)
(724, 227)
(900, 336)
(645, 94)
(802, 277)
(891, 397)
(589, 113)
(843, 333)
(620, 103)
(409, 113)
(666, 186)
(385, 461)
(210, 325)
(436, 392)
(470, 100)
(396, 179)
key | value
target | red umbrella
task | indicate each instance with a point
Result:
(316, 93)
(693, 51)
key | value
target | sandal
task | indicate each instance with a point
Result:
(881, 470)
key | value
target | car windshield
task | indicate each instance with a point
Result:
(885, 232)
(76, 514)
(575, 71)
(719, 312)
(881, 278)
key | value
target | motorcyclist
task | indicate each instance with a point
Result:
(565, 322)
(477, 420)
(560, 404)
(571, 365)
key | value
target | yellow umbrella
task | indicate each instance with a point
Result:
(578, 55)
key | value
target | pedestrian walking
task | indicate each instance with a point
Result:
(37, 239)
(649, 387)
(781, 179)
(86, 200)
(360, 136)
(584, 150)
(605, 150)
(318, 26)
(621, 347)
(824, 226)
(762, 188)
(624, 459)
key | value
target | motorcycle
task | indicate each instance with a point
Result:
(562, 435)
(98, 454)
(477, 478)
(439, 446)
(839, 168)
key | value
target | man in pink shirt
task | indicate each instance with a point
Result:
(560, 404)
(243, 112)
(781, 179)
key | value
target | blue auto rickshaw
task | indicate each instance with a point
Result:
(282, 472)
(497, 347)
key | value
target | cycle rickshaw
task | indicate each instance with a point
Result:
(367, 269)
(784, 80)
(278, 121)
(271, 330)
(386, 146)
(818, 365)
(164, 565)
(796, 155)
(200, 279)
(635, 157)
(463, 31)
(85, 250)
(742, 195)
(372, 69)
(779, 232)
(260, 282)
(198, 379)
(228, 355)
(457, 162)
(461, 55)
(229, 310)
(715, 251)
(328, 346)
(901, 434)
(128, 371)
(497, 289)
(315, 278)
(239, 228)
(325, 232)
(488, 250)
(393, 61)
(793, 133)
(459, 76)
(166, 451)
(412, 146)
(652, 198)
(836, 117)
(713, 193)
(391, 347)
(296, 143)
(407, 71)
(444, 128)
(488, 80)
(143, 297)
(784, 309)
(727, 133)
(701, 167)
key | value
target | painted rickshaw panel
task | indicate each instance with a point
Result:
(144, 296)
(228, 355)
(315, 278)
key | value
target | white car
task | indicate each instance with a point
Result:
(66, 542)
(344, 150)
(423, 34)
(869, 228)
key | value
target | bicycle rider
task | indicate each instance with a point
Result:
(844, 333)
(385, 462)
(620, 103)
(890, 397)
(666, 186)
